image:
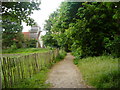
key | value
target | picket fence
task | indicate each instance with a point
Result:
(19, 68)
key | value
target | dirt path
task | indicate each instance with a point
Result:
(66, 75)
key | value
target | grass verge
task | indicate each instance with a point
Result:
(100, 72)
(36, 81)
(24, 50)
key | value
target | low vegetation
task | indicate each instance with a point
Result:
(36, 81)
(100, 72)
(24, 50)
(61, 55)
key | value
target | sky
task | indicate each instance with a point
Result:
(47, 7)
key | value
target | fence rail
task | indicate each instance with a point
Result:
(18, 68)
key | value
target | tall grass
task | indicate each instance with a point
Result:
(100, 72)
(36, 81)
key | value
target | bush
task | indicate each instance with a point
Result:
(61, 55)
(76, 61)
(13, 47)
(116, 46)
(30, 43)
(78, 53)
(113, 46)
(19, 44)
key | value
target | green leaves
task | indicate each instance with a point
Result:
(13, 13)
(85, 27)
(19, 11)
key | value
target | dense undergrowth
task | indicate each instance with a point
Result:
(100, 72)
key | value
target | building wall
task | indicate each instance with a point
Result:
(35, 33)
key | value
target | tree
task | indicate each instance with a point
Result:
(50, 41)
(19, 11)
(11, 34)
(48, 38)
(13, 13)
(66, 15)
(87, 29)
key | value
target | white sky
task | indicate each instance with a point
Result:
(47, 7)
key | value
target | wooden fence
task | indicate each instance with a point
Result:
(18, 68)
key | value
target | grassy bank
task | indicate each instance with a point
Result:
(24, 50)
(100, 72)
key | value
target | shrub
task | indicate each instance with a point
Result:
(61, 55)
(13, 47)
(30, 43)
(113, 46)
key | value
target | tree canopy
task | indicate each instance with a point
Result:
(87, 28)
(19, 11)
(13, 14)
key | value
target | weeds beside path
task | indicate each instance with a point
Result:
(66, 75)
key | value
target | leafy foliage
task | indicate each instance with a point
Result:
(61, 55)
(12, 33)
(50, 41)
(13, 14)
(19, 11)
(30, 43)
(84, 28)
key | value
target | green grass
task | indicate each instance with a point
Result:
(100, 72)
(24, 50)
(26, 83)
(61, 55)
(36, 81)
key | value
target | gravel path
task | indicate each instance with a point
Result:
(66, 75)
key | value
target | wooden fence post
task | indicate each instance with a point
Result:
(16, 68)
(0, 73)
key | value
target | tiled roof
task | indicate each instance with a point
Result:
(26, 34)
